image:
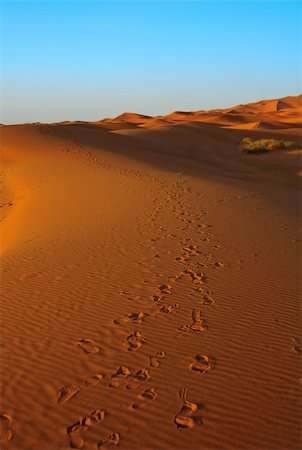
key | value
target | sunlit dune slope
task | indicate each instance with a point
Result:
(150, 289)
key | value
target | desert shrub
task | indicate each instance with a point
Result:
(249, 145)
(247, 140)
(291, 145)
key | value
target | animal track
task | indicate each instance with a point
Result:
(154, 359)
(135, 341)
(87, 346)
(111, 439)
(147, 396)
(185, 418)
(5, 427)
(202, 364)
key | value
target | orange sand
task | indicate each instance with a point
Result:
(151, 282)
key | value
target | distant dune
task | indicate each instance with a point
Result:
(151, 282)
(130, 118)
(268, 111)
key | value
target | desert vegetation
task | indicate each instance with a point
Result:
(251, 146)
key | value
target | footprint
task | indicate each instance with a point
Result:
(111, 439)
(219, 264)
(209, 256)
(191, 250)
(197, 278)
(204, 225)
(95, 417)
(185, 328)
(67, 392)
(202, 364)
(154, 359)
(93, 380)
(135, 341)
(75, 439)
(165, 289)
(198, 323)
(198, 289)
(182, 228)
(129, 295)
(208, 300)
(157, 298)
(297, 345)
(122, 372)
(87, 345)
(147, 396)
(141, 376)
(169, 308)
(181, 259)
(174, 278)
(135, 318)
(185, 418)
(5, 431)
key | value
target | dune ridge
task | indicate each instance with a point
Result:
(151, 283)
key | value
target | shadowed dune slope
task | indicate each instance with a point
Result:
(151, 287)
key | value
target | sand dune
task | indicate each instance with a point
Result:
(268, 111)
(151, 283)
(129, 118)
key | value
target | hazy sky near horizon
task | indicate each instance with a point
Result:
(86, 60)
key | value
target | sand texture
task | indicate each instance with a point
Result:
(151, 282)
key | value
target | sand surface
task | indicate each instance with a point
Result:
(151, 282)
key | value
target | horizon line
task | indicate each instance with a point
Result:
(148, 115)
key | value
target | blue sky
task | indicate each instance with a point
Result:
(85, 60)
